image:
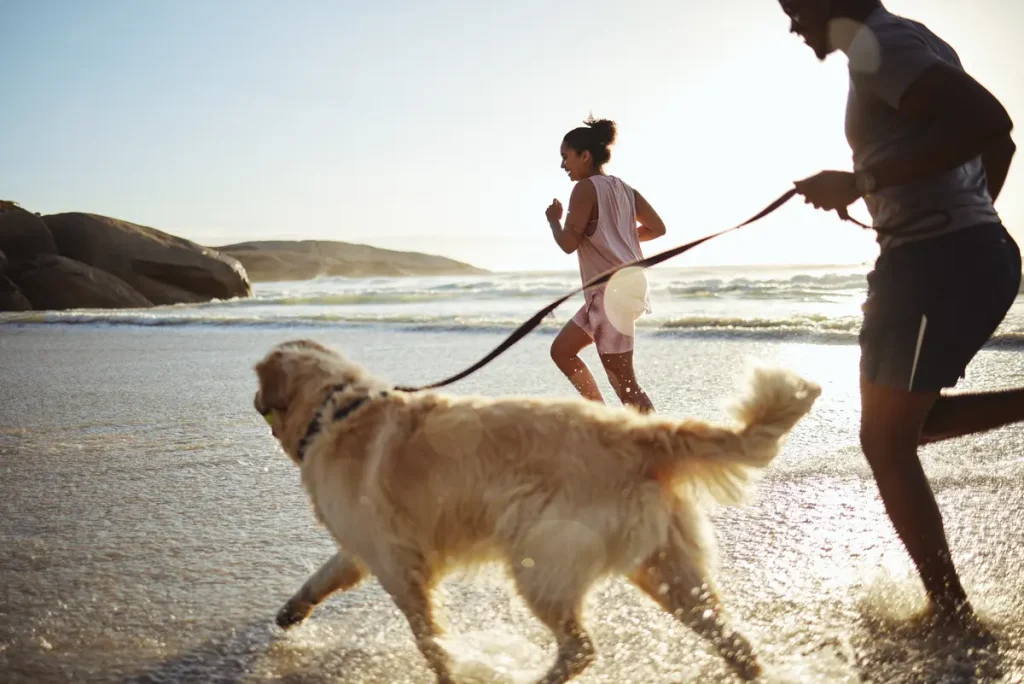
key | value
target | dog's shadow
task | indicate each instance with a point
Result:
(256, 650)
(230, 658)
(920, 649)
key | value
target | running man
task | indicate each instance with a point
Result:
(931, 150)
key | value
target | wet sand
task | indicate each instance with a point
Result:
(151, 528)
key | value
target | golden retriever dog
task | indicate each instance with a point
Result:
(563, 492)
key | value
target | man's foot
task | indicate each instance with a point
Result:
(953, 613)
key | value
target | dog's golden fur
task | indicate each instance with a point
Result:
(563, 491)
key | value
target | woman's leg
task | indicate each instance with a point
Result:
(565, 352)
(623, 380)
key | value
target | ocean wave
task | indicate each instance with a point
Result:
(169, 318)
(810, 328)
(409, 297)
(798, 287)
(338, 292)
(797, 323)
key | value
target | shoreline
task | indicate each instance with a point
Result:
(1009, 342)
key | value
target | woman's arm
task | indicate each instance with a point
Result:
(651, 226)
(582, 203)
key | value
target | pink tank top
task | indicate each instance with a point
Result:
(614, 242)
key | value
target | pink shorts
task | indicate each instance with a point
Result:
(612, 334)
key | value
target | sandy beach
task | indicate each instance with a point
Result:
(151, 528)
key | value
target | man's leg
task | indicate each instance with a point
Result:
(967, 414)
(891, 424)
(931, 307)
(989, 273)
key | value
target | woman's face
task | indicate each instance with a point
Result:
(577, 165)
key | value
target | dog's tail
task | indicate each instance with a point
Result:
(721, 461)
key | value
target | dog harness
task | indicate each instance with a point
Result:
(317, 425)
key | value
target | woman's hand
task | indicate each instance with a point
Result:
(651, 226)
(554, 212)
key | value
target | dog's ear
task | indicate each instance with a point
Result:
(276, 385)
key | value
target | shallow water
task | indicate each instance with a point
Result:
(151, 528)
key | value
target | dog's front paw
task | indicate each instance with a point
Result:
(292, 614)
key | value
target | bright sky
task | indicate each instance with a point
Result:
(435, 126)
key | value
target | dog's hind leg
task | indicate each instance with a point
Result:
(410, 591)
(562, 617)
(339, 573)
(675, 578)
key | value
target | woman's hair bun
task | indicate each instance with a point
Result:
(604, 129)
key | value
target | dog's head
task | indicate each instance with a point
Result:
(294, 378)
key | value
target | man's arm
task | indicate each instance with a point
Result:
(966, 121)
(651, 225)
(997, 160)
(581, 206)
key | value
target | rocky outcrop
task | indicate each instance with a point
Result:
(76, 260)
(11, 297)
(164, 268)
(54, 282)
(23, 235)
(302, 260)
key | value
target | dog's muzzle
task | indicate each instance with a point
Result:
(263, 411)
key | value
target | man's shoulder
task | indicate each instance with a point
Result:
(893, 31)
(891, 47)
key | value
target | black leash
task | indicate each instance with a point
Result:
(524, 329)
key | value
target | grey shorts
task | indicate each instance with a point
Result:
(932, 305)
